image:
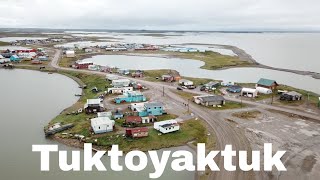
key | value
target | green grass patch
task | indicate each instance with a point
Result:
(190, 130)
(4, 43)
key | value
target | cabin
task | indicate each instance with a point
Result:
(267, 83)
(234, 89)
(15, 58)
(167, 126)
(120, 83)
(171, 76)
(185, 82)
(133, 120)
(291, 96)
(139, 132)
(70, 54)
(119, 90)
(102, 125)
(263, 90)
(82, 65)
(93, 106)
(249, 92)
(128, 97)
(210, 100)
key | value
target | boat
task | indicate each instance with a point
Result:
(56, 128)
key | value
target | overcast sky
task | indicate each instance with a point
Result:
(162, 14)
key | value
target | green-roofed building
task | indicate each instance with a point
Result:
(267, 83)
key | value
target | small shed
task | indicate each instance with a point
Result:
(137, 132)
(291, 96)
(249, 92)
(102, 125)
(267, 83)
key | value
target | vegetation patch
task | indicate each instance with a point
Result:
(247, 114)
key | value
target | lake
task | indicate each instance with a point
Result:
(283, 50)
(191, 68)
(29, 100)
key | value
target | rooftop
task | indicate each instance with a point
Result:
(266, 82)
(210, 98)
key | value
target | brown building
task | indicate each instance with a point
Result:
(137, 132)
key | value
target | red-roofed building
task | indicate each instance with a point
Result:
(133, 120)
(137, 132)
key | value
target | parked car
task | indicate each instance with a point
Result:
(179, 88)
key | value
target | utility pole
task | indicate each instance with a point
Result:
(163, 91)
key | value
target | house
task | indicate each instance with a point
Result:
(133, 96)
(167, 78)
(105, 114)
(120, 90)
(82, 65)
(167, 126)
(102, 125)
(93, 106)
(291, 96)
(267, 83)
(149, 119)
(227, 83)
(121, 83)
(209, 100)
(171, 76)
(26, 56)
(263, 90)
(133, 120)
(137, 132)
(249, 92)
(70, 54)
(185, 82)
(154, 108)
(15, 58)
(234, 89)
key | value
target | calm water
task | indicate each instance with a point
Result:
(29, 100)
(283, 50)
(191, 68)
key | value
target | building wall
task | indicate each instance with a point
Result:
(169, 129)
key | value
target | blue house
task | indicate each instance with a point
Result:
(154, 108)
(128, 97)
(15, 58)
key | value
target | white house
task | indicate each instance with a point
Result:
(249, 92)
(121, 83)
(263, 90)
(185, 82)
(70, 54)
(157, 125)
(167, 126)
(102, 125)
